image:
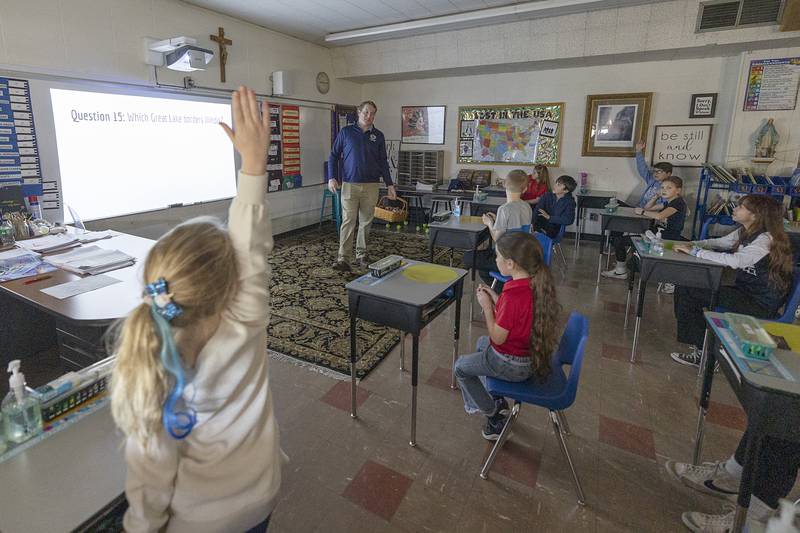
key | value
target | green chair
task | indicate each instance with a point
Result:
(336, 208)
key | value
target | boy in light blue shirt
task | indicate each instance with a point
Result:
(652, 178)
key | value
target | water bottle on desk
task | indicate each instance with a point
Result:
(457, 208)
(657, 246)
(584, 182)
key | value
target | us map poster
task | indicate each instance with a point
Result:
(510, 134)
(19, 152)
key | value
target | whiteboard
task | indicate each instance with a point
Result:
(315, 141)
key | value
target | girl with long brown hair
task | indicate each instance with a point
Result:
(761, 254)
(522, 324)
(190, 387)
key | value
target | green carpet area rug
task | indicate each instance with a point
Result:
(310, 320)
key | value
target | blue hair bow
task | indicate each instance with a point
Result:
(162, 300)
(177, 423)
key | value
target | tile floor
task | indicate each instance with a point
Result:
(361, 475)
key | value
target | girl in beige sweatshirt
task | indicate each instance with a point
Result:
(191, 384)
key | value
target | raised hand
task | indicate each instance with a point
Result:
(251, 134)
(640, 146)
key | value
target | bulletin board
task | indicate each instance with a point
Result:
(510, 134)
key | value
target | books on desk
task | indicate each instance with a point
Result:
(91, 260)
(50, 243)
(20, 263)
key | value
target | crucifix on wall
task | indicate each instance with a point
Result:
(223, 44)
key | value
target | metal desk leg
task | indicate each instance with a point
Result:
(600, 258)
(705, 394)
(746, 484)
(433, 241)
(639, 307)
(579, 228)
(628, 299)
(414, 373)
(704, 355)
(403, 336)
(456, 333)
(353, 348)
(472, 276)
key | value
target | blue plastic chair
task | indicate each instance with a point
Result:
(336, 208)
(547, 252)
(793, 302)
(723, 220)
(555, 394)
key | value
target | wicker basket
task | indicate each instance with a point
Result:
(395, 214)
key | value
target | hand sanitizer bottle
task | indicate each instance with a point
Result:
(457, 208)
(657, 247)
(22, 412)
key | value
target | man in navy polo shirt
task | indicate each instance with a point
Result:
(362, 149)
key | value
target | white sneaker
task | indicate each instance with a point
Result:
(692, 358)
(710, 478)
(708, 523)
(613, 274)
(668, 288)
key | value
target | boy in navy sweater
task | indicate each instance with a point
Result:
(557, 207)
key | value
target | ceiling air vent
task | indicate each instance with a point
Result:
(727, 14)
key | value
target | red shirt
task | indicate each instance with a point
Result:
(534, 190)
(514, 312)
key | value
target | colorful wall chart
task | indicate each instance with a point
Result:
(19, 151)
(510, 134)
(274, 150)
(772, 84)
(290, 124)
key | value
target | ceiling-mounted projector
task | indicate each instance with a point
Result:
(178, 53)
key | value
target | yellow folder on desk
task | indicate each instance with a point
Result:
(790, 332)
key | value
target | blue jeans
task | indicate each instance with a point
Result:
(471, 370)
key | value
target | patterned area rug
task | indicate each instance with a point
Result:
(310, 320)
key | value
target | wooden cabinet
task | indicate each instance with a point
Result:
(425, 166)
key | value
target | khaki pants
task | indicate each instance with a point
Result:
(358, 199)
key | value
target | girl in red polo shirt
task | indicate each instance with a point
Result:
(522, 329)
(538, 184)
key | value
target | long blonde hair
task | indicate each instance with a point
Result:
(198, 261)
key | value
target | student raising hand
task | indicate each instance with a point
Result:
(251, 133)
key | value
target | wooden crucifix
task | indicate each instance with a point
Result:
(223, 51)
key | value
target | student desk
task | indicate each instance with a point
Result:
(62, 481)
(79, 321)
(464, 233)
(591, 199)
(398, 302)
(771, 399)
(673, 267)
(624, 220)
(490, 205)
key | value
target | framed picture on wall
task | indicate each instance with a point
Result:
(423, 124)
(682, 145)
(703, 105)
(615, 123)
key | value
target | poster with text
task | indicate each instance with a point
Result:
(290, 127)
(772, 84)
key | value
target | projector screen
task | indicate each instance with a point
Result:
(121, 154)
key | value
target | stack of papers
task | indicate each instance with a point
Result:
(21, 263)
(91, 236)
(50, 243)
(91, 260)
